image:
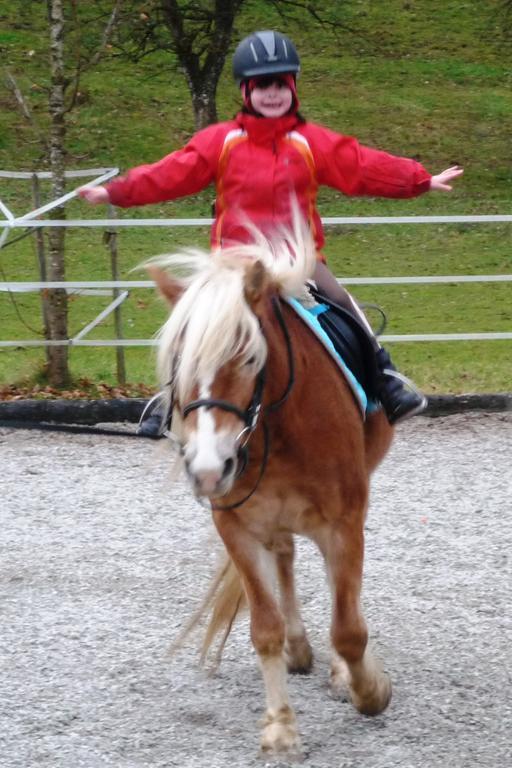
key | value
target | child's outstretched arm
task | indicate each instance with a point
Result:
(345, 164)
(183, 172)
(441, 182)
(94, 195)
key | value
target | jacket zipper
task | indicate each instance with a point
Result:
(274, 152)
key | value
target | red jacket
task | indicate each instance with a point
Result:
(256, 163)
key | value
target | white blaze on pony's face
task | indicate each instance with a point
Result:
(210, 448)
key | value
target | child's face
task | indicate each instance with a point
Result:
(271, 98)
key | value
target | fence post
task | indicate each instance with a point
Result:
(111, 239)
(41, 257)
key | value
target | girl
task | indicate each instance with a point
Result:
(264, 158)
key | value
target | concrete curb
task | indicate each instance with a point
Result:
(130, 409)
(443, 405)
(73, 411)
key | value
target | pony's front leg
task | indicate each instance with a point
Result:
(256, 568)
(368, 685)
(299, 655)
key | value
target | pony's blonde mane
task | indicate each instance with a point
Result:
(212, 322)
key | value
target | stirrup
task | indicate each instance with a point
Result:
(400, 376)
(422, 401)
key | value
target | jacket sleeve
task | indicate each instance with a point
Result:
(354, 169)
(184, 172)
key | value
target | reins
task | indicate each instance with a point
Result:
(276, 305)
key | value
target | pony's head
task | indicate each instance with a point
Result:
(212, 349)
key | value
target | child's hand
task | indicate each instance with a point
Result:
(441, 182)
(94, 195)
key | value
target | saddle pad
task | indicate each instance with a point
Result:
(309, 315)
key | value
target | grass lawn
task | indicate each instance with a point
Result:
(427, 79)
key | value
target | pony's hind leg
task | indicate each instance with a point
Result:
(299, 655)
(368, 685)
(279, 731)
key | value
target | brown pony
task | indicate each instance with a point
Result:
(272, 435)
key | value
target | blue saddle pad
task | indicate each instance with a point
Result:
(309, 315)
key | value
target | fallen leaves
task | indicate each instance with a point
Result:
(82, 389)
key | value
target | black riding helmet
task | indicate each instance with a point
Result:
(265, 53)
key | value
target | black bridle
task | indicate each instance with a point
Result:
(250, 417)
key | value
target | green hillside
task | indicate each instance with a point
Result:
(425, 78)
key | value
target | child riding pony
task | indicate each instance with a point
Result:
(265, 157)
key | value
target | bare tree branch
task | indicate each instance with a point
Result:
(106, 37)
(13, 86)
(287, 10)
(83, 66)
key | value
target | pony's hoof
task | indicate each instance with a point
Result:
(375, 700)
(340, 679)
(299, 656)
(280, 741)
(279, 736)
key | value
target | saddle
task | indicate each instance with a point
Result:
(348, 342)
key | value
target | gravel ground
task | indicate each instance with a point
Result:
(104, 556)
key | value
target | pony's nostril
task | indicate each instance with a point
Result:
(228, 467)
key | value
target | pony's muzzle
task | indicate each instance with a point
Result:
(212, 481)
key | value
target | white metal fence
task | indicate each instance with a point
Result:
(30, 220)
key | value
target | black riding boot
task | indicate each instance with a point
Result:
(399, 398)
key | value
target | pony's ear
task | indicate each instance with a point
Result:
(170, 288)
(255, 282)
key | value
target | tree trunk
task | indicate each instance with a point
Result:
(202, 64)
(58, 370)
(204, 104)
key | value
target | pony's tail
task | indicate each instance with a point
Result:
(223, 602)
